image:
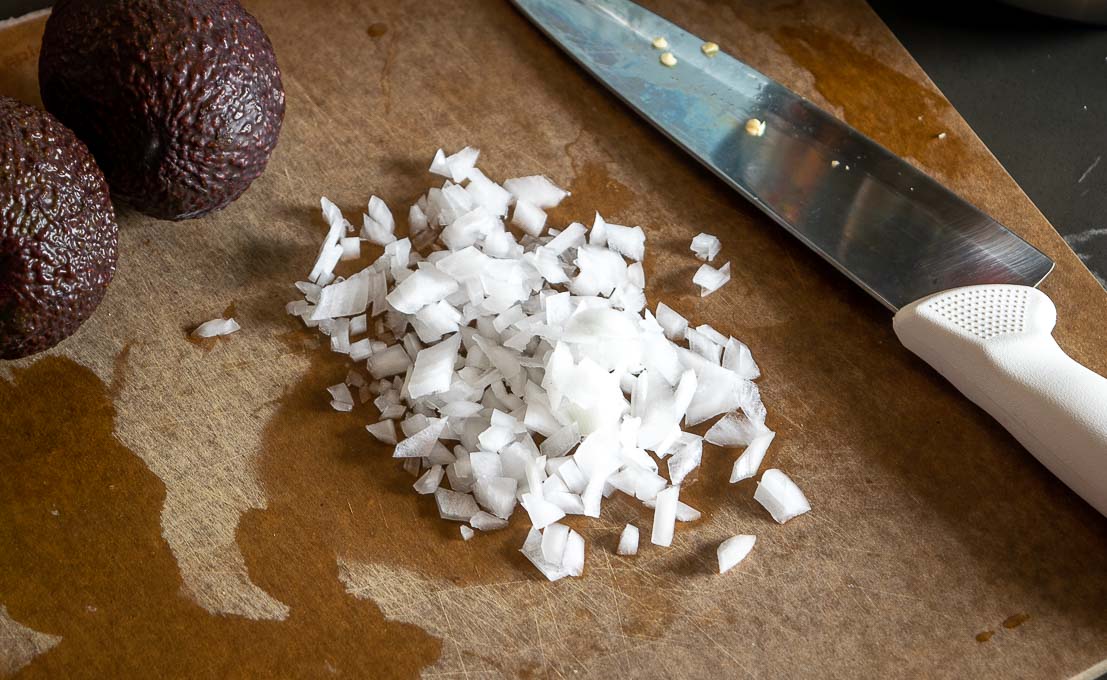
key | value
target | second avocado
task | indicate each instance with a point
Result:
(180, 101)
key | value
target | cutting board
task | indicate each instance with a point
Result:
(173, 509)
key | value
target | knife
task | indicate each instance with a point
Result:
(962, 286)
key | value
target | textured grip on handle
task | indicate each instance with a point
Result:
(995, 344)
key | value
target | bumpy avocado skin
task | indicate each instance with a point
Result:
(180, 101)
(57, 231)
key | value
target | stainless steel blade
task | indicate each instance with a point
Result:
(889, 227)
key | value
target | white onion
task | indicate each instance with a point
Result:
(542, 512)
(710, 279)
(346, 298)
(628, 541)
(434, 368)
(529, 217)
(688, 451)
(378, 226)
(573, 558)
(425, 286)
(389, 362)
(737, 358)
(351, 248)
(734, 429)
(484, 521)
(430, 481)
(419, 445)
(780, 496)
(487, 194)
(536, 190)
(674, 324)
(215, 328)
(496, 495)
(686, 513)
(458, 507)
(528, 369)
(664, 517)
(598, 235)
(554, 539)
(384, 431)
(750, 461)
(733, 550)
(532, 549)
(706, 246)
(627, 241)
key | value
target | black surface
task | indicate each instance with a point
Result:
(1033, 88)
(13, 8)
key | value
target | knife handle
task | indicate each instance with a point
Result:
(995, 344)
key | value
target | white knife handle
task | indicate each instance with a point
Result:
(995, 344)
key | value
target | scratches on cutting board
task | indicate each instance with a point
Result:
(386, 73)
(19, 645)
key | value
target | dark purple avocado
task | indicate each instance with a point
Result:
(180, 101)
(57, 231)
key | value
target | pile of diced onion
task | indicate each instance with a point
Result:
(520, 365)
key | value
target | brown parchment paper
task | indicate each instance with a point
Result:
(196, 510)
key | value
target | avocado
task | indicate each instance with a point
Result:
(180, 101)
(57, 231)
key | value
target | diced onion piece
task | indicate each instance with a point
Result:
(536, 190)
(215, 328)
(430, 481)
(529, 217)
(710, 279)
(572, 562)
(439, 165)
(456, 166)
(554, 538)
(425, 286)
(664, 517)
(780, 496)
(455, 506)
(351, 248)
(391, 361)
(689, 450)
(674, 324)
(384, 431)
(737, 358)
(484, 521)
(434, 368)
(480, 347)
(542, 512)
(733, 550)
(628, 541)
(532, 549)
(378, 226)
(629, 242)
(686, 513)
(598, 235)
(416, 219)
(706, 246)
(734, 429)
(750, 461)
(487, 194)
(340, 393)
(347, 298)
(496, 495)
(419, 444)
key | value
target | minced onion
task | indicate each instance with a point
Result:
(524, 367)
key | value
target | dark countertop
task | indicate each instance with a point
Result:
(1033, 89)
(1030, 86)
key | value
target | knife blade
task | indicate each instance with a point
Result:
(962, 285)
